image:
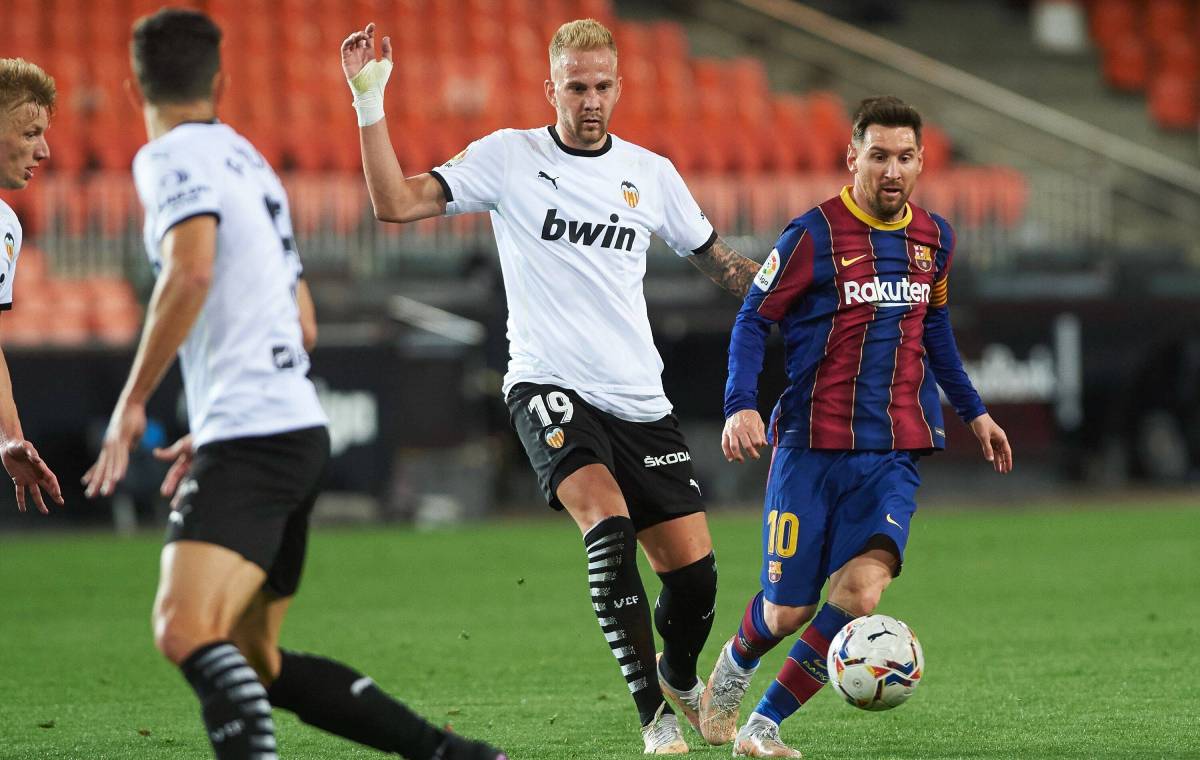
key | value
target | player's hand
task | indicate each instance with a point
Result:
(27, 470)
(359, 49)
(994, 442)
(124, 430)
(743, 434)
(180, 455)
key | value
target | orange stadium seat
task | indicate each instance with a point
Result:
(669, 41)
(788, 132)
(1012, 195)
(829, 130)
(1113, 19)
(67, 323)
(110, 202)
(936, 145)
(1172, 100)
(1126, 63)
(115, 316)
(31, 267)
(1166, 18)
(601, 10)
(633, 41)
(1176, 51)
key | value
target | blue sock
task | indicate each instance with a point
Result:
(804, 671)
(754, 638)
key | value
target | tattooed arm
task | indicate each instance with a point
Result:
(726, 267)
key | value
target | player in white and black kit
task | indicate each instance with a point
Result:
(27, 96)
(218, 233)
(573, 208)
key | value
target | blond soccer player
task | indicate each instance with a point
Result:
(27, 96)
(573, 208)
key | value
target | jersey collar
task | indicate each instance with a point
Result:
(871, 221)
(580, 151)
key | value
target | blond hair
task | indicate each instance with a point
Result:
(24, 82)
(581, 34)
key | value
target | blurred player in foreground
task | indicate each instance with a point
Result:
(27, 97)
(573, 208)
(219, 234)
(858, 286)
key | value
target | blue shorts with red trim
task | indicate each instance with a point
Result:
(821, 510)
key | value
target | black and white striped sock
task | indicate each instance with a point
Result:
(332, 696)
(237, 715)
(619, 600)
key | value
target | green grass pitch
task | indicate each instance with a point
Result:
(1065, 631)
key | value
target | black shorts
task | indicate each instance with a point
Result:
(254, 495)
(649, 460)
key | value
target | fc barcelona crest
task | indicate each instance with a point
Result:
(630, 191)
(923, 257)
(774, 570)
(555, 437)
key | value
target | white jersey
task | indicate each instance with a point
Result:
(244, 364)
(572, 228)
(10, 231)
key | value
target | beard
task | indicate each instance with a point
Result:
(885, 207)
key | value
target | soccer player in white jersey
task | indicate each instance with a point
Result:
(27, 96)
(218, 233)
(573, 208)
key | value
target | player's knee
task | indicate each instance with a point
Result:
(859, 598)
(177, 635)
(784, 621)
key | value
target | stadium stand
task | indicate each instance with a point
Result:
(751, 154)
(1150, 46)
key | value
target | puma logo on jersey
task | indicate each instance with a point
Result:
(548, 178)
(177, 515)
(588, 233)
(187, 488)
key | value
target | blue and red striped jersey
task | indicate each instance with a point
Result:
(862, 305)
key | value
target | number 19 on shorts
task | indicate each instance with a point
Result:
(783, 533)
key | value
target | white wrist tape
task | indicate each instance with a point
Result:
(367, 86)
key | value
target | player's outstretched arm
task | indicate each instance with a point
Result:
(189, 249)
(394, 197)
(20, 458)
(994, 442)
(726, 267)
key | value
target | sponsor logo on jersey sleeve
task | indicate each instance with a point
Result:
(457, 158)
(175, 194)
(630, 191)
(172, 178)
(766, 275)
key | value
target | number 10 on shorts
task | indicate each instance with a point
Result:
(783, 533)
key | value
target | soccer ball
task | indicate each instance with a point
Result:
(875, 662)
